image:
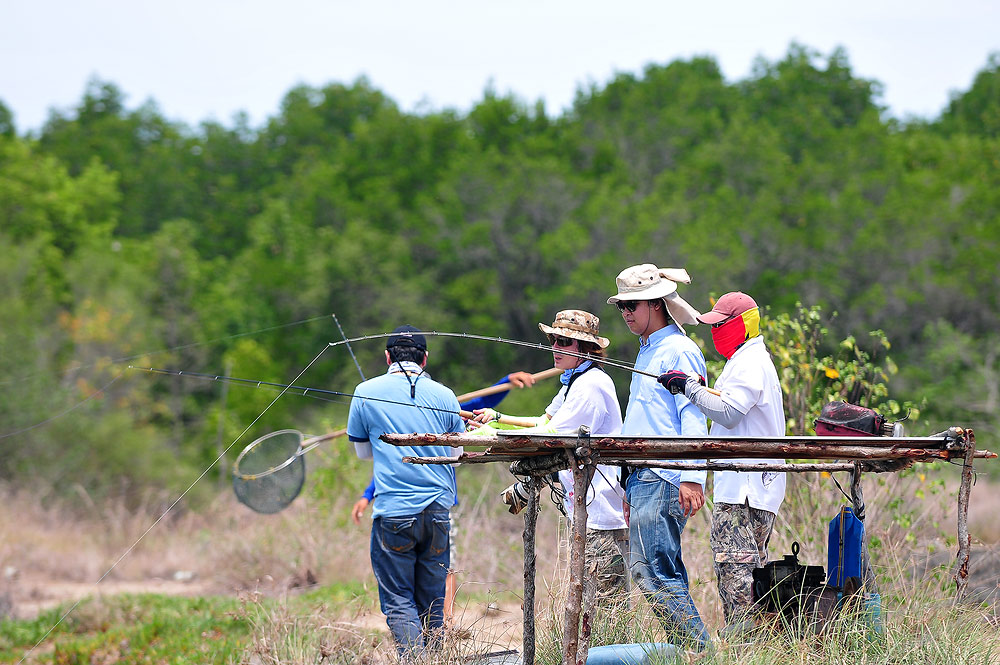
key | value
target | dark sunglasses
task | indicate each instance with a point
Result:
(561, 341)
(630, 305)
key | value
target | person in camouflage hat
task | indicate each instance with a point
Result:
(749, 403)
(587, 397)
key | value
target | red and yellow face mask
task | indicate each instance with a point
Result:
(731, 335)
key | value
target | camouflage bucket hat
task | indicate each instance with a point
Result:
(576, 324)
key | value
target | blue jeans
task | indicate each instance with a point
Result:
(410, 559)
(656, 522)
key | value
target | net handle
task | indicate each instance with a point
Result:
(311, 443)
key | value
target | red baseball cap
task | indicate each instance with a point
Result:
(728, 306)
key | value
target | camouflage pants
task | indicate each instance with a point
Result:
(739, 541)
(607, 579)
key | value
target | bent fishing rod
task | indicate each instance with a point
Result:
(501, 340)
(430, 333)
(516, 342)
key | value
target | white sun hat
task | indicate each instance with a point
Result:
(647, 282)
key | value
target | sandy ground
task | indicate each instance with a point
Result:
(30, 596)
(490, 625)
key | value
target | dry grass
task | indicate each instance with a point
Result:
(57, 553)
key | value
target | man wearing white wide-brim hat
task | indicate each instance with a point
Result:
(660, 501)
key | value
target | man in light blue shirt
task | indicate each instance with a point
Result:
(409, 543)
(660, 501)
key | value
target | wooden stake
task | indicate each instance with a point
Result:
(964, 538)
(868, 582)
(528, 604)
(583, 471)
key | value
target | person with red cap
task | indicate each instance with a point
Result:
(749, 403)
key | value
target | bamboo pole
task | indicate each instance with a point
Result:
(503, 387)
(485, 458)
(510, 439)
(712, 465)
(506, 420)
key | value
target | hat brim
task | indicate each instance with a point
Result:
(713, 317)
(660, 290)
(602, 342)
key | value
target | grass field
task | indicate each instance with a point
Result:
(224, 585)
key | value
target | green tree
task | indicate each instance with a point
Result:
(6, 121)
(977, 110)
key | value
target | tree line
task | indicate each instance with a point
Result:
(128, 238)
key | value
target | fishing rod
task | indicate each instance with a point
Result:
(306, 391)
(514, 342)
(349, 349)
(433, 333)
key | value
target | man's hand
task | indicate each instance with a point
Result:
(483, 416)
(675, 381)
(359, 509)
(521, 379)
(626, 510)
(692, 498)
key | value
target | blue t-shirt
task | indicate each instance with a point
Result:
(652, 410)
(405, 489)
(484, 402)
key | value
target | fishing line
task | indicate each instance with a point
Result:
(171, 506)
(116, 361)
(70, 409)
(287, 387)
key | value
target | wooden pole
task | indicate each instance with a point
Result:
(964, 538)
(682, 448)
(583, 469)
(533, 486)
(868, 582)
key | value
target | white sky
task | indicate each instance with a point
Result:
(207, 59)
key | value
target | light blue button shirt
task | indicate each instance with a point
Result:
(652, 410)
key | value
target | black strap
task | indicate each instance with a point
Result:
(413, 383)
(576, 375)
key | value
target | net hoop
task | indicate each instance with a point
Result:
(270, 472)
(237, 473)
(304, 447)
